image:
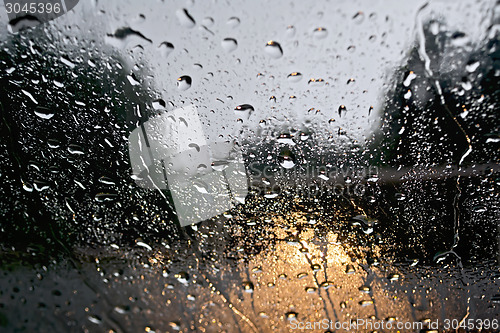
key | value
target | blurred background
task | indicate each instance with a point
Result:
(376, 122)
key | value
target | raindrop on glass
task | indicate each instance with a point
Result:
(166, 48)
(290, 31)
(274, 49)
(287, 159)
(233, 22)
(358, 17)
(342, 109)
(320, 33)
(184, 82)
(185, 19)
(248, 286)
(243, 111)
(229, 44)
(44, 113)
(294, 77)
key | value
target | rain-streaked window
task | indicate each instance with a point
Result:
(249, 166)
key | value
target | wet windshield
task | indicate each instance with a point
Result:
(249, 166)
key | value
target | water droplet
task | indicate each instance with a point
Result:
(342, 109)
(233, 22)
(320, 33)
(472, 66)
(467, 85)
(201, 168)
(194, 146)
(67, 62)
(326, 284)
(304, 136)
(350, 269)
(459, 39)
(365, 289)
(358, 17)
(257, 269)
(44, 113)
(30, 96)
(291, 315)
(53, 143)
(316, 267)
(75, 149)
(144, 245)
(229, 44)
(285, 138)
(220, 165)
(290, 31)
(201, 187)
(54, 169)
(95, 319)
(287, 159)
(411, 75)
(176, 326)
(185, 19)
(366, 303)
(40, 185)
(434, 27)
(310, 290)
(393, 277)
(316, 82)
(106, 197)
(301, 275)
(122, 309)
(208, 21)
(122, 38)
(166, 48)
(22, 22)
(159, 104)
(248, 286)
(400, 196)
(274, 49)
(182, 277)
(244, 111)
(271, 194)
(106, 180)
(58, 84)
(294, 77)
(133, 80)
(479, 209)
(184, 82)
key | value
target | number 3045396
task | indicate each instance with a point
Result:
(32, 8)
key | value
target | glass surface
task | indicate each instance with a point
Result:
(249, 166)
